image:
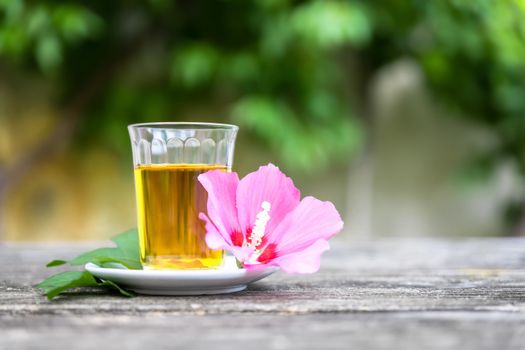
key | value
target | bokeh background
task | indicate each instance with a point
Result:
(408, 115)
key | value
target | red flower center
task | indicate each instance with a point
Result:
(237, 238)
(268, 254)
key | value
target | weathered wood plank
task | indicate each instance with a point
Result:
(406, 294)
(441, 330)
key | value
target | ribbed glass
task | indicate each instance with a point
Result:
(183, 143)
(168, 159)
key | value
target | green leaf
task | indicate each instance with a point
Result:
(126, 253)
(128, 242)
(60, 282)
(105, 255)
(108, 283)
(56, 263)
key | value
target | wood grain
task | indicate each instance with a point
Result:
(387, 294)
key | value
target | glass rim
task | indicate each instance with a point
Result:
(184, 125)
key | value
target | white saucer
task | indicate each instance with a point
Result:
(227, 279)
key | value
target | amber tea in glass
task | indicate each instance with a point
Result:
(168, 159)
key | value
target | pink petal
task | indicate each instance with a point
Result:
(266, 184)
(307, 260)
(221, 188)
(310, 221)
(215, 240)
(241, 253)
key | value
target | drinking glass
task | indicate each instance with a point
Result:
(168, 158)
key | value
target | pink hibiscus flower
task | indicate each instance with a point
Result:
(262, 221)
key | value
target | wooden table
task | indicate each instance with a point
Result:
(387, 294)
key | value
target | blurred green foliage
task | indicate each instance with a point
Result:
(473, 56)
(279, 68)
